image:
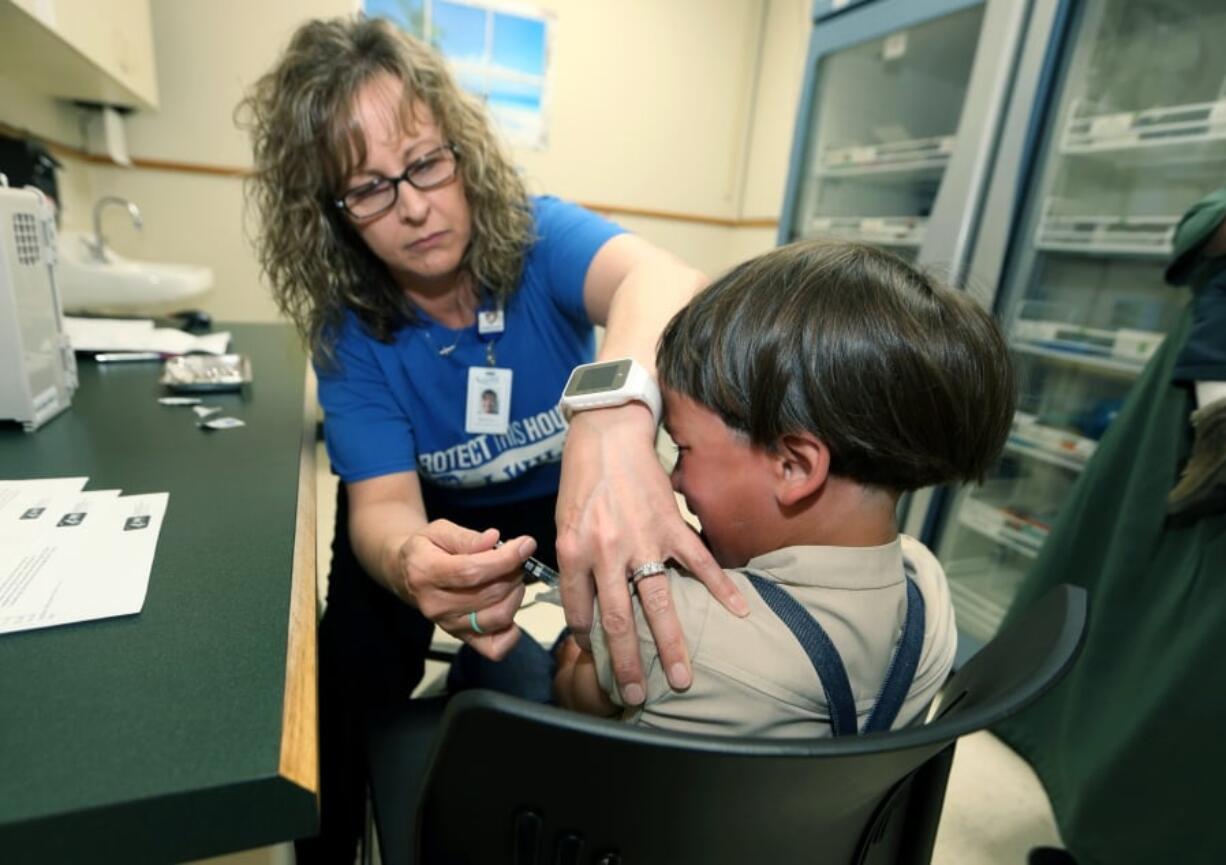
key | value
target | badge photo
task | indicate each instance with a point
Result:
(489, 400)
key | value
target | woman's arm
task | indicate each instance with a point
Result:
(633, 288)
(616, 508)
(445, 570)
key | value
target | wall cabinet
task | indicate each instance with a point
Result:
(95, 50)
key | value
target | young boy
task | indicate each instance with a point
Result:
(807, 390)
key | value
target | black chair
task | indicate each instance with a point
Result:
(514, 782)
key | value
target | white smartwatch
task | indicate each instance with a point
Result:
(609, 383)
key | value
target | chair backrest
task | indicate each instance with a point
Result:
(515, 782)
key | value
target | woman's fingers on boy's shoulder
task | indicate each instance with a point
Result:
(621, 638)
(577, 587)
(656, 598)
(693, 554)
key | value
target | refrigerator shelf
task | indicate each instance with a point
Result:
(919, 155)
(1018, 533)
(1107, 234)
(1195, 130)
(1022, 447)
(882, 230)
(1111, 366)
(1126, 344)
(1061, 447)
(1027, 449)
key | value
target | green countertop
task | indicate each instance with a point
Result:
(188, 729)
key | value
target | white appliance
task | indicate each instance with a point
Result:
(38, 373)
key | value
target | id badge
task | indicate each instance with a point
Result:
(490, 321)
(489, 400)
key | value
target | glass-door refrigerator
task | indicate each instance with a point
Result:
(1117, 125)
(899, 115)
(897, 131)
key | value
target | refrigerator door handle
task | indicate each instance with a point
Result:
(959, 202)
(1016, 150)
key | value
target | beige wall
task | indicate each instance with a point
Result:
(701, 126)
(55, 121)
(649, 100)
(785, 43)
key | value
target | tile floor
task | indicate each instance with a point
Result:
(995, 808)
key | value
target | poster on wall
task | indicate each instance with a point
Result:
(500, 54)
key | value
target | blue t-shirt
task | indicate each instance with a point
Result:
(400, 406)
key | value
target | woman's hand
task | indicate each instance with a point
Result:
(445, 570)
(449, 572)
(616, 511)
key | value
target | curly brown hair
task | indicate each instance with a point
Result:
(307, 142)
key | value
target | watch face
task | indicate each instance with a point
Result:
(599, 378)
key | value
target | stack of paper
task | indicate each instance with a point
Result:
(71, 556)
(138, 334)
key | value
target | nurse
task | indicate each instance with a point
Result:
(400, 239)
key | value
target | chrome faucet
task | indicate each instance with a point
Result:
(97, 245)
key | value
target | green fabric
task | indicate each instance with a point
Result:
(1131, 743)
(1197, 224)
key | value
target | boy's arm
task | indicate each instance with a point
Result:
(576, 685)
(585, 679)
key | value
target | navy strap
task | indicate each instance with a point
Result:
(829, 665)
(901, 674)
(821, 652)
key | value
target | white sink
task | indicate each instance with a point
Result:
(87, 283)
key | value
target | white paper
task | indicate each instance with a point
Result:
(116, 140)
(31, 573)
(27, 506)
(119, 334)
(89, 556)
(107, 331)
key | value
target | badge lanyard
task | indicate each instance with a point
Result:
(488, 403)
(491, 323)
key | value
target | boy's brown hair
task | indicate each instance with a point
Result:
(908, 382)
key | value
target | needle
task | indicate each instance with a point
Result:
(540, 570)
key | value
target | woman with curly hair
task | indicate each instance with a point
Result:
(399, 238)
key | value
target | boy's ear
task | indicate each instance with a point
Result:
(802, 464)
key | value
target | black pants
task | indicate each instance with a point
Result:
(372, 651)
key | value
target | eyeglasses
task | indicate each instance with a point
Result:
(430, 172)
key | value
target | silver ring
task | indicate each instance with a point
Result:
(647, 569)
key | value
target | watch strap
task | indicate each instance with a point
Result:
(639, 386)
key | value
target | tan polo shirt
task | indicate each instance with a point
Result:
(751, 676)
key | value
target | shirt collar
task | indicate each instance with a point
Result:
(834, 567)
